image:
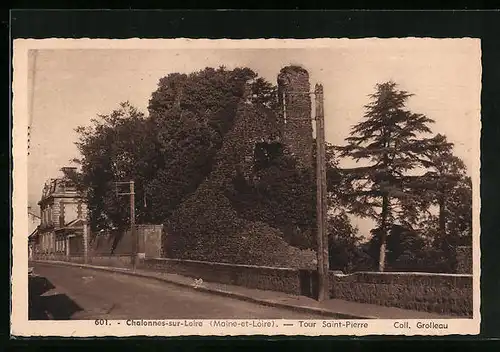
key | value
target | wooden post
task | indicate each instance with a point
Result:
(321, 206)
(85, 242)
(133, 231)
(324, 191)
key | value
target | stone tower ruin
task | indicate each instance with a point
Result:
(295, 111)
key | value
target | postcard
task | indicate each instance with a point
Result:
(181, 187)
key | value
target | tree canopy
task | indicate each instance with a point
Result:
(206, 163)
(183, 157)
(390, 141)
(116, 147)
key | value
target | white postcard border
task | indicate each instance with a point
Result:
(21, 326)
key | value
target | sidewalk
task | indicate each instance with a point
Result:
(335, 308)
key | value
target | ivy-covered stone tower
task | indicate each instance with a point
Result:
(295, 111)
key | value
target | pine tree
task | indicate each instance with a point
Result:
(390, 142)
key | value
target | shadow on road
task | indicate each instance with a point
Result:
(50, 307)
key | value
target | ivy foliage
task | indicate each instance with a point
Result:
(185, 157)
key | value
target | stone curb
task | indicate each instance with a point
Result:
(239, 296)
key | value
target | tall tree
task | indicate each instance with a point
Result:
(452, 224)
(116, 147)
(400, 240)
(390, 142)
(459, 213)
(445, 186)
(192, 114)
(446, 172)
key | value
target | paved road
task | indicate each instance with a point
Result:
(62, 292)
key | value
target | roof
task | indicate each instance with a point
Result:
(59, 187)
(33, 234)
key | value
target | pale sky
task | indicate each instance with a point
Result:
(72, 86)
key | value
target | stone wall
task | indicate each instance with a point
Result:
(464, 259)
(264, 278)
(150, 237)
(60, 257)
(117, 260)
(449, 294)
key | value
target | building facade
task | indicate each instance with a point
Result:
(63, 213)
(33, 224)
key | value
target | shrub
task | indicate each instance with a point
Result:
(426, 260)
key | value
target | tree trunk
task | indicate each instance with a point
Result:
(442, 220)
(385, 206)
(383, 234)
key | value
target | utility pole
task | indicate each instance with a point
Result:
(321, 191)
(133, 232)
(322, 208)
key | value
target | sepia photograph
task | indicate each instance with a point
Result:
(218, 187)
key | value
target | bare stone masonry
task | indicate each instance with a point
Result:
(295, 102)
